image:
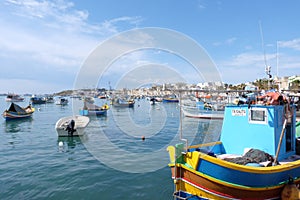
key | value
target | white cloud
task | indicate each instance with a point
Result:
(292, 44)
(52, 36)
(228, 41)
(251, 66)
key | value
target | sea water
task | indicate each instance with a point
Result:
(111, 161)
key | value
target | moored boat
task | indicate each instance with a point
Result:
(62, 101)
(170, 99)
(119, 102)
(14, 98)
(255, 158)
(90, 109)
(38, 100)
(17, 112)
(71, 125)
(195, 108)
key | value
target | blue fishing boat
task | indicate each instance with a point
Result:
(170, 99)
(90, 109)
(256, 157)
(38, 100)
(120, 102)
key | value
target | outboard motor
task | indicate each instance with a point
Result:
(71, 128)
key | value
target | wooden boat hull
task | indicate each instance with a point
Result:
(206, 176)
(169, 100)
(124, 105)
(93, 112)
(80, 123)
(14, 115)
(17, 112)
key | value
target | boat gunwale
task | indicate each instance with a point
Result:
(226, 183)
(251, 169)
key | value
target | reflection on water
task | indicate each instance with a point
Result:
(66, 144)
(18, 125)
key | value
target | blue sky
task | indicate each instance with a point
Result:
(43, 44)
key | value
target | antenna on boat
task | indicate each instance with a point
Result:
(180, 121)
(267, 68)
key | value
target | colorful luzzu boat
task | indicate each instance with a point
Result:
(210, 171)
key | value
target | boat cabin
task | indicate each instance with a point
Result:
(258, 127)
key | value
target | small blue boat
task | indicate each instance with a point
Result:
(90, 109)
(170, 99)
(124, 103)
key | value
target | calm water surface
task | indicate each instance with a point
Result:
(107, 163)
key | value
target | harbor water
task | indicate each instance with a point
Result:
(111, 161)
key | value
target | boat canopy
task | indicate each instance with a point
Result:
(16, 108)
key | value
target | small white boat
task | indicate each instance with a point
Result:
(71, 125)
(62, 101)
(14, 98)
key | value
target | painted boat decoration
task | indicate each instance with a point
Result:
(71, 126)
(90, 109)
(257, 157)
(17, 112)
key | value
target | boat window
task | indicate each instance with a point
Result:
(258, 115)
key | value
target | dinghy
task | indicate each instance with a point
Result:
(71, 125)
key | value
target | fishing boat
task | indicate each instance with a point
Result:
(62, 101)
(50, 99)
(119, 102)
(256, 157)
(90, 109)
(17, 112)
(14, 98)
(71, 125)
(196, 108)
(38, 99)
(170, 99)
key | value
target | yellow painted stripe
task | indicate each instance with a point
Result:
(205, 145)
(251, 169)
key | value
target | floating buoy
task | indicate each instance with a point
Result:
(60, 144)
(143, 138)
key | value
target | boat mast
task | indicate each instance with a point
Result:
(180, 121)
(267, 68)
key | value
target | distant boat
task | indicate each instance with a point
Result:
(196, 108)
(88, 99)
(62, 101)
(170, 99)
(14, 98)
(17, 112)
(71, 125)
(50, 99)
(118, 102)
(93, 110)
(38, 100)
(152, 101)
